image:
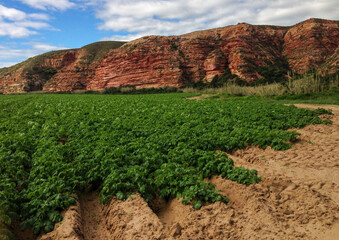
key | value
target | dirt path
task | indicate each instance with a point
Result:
(298, 198)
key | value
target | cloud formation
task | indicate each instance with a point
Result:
(9, 55)
(130, 19)
(6, 64)
(49, 4)
(45, 47)
(171, 17)
(17, 24)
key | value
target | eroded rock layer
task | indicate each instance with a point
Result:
(157, 61)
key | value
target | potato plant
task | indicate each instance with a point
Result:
(52, 147)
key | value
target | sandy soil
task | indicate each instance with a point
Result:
(298, 198)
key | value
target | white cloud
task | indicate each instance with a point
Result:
(46, 47)
(290, 12)
(11, 14)
(39, 16)
(131, 19)
(14, 30)
(33, 24)
(172, 17)
(7, 53)
(10, 56)
(17, 24)
(128, 37)
(7, 64)
(49, 4)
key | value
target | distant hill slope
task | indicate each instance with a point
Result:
(69, 68)
(155, 61)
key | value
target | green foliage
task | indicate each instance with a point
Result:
(311, 98)
(173, 47)
(112, 90)
(271, 74)
(36, 61)
(326, 82)
(308, 86)
(44, 72)
(219, 81)
(196, 85)
(5, 222)
(96, 51)
(37, 77)
(7, 70)
(314, 98)
(52, 147)
(91, 92)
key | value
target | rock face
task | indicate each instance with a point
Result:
(156, 61)
(310, 44)
(147, 62)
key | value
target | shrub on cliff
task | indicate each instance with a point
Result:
(37, 77)
(227, 76)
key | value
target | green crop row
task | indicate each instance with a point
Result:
(52, 147)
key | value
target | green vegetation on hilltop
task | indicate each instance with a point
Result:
(52, 147)
(38, 60)
(6, 70)
(96, 51)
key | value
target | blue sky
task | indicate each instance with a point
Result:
(32, 27)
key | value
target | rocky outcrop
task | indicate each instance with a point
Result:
(64, 70)
(156, 61)
(214, 64)
(147, 62)
(310, 44)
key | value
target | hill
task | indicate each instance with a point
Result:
(249, 51)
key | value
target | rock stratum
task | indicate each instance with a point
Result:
(157, 61)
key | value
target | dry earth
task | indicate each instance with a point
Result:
(298, 198)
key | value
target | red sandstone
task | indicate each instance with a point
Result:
(157, 61)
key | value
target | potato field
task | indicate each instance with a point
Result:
(53, 147)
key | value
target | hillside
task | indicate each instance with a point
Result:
(156, 61)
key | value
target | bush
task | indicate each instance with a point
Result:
(173, 47)
(227, 76)
(111, 90)
(37, 77)
(273, 73)
(91, 92)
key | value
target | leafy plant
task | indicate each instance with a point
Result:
(52, 147)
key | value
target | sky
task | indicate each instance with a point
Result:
(32, 27)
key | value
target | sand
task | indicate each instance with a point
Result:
(298, 198)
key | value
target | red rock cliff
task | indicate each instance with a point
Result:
(174, 61)
(310, 44)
